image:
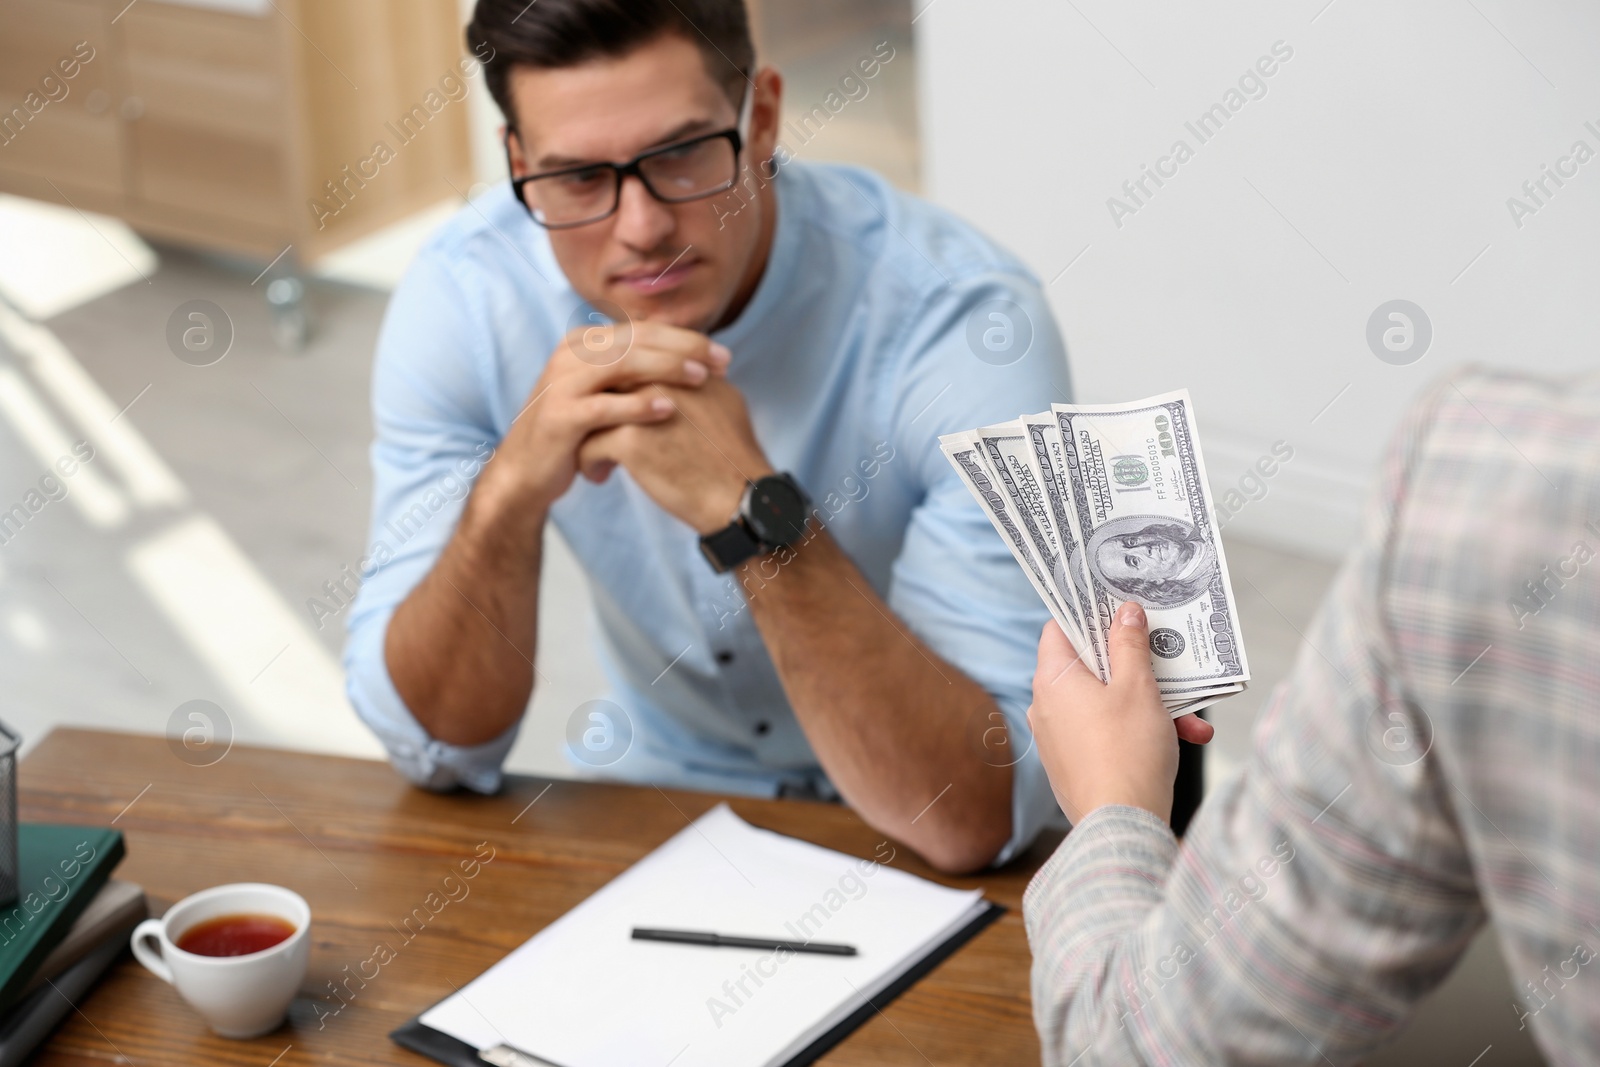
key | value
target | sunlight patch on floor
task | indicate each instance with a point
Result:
(73, 257)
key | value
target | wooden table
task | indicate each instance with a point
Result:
(365, 848)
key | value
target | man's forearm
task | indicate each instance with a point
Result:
(890, 720)
(460, 648)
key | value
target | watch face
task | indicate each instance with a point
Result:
(777, 511)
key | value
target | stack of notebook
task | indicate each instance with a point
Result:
(69, 923)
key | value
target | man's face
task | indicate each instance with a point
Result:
(683, 264)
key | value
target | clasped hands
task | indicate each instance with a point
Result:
(650, 398)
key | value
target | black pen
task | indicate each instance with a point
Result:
(710, 940)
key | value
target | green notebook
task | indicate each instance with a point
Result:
(60, 869)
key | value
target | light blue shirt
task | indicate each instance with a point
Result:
(880, 323)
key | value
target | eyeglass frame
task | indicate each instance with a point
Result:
(733, 134)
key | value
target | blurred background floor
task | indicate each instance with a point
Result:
(182, 562)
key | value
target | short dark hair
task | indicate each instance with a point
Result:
(551, 34)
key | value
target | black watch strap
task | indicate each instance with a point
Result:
(730, 546)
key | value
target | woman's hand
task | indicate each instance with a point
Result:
(1107, 743)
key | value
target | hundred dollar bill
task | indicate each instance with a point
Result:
(1148, 533)
(1006, 448)
(965, 453)
(1044, 459)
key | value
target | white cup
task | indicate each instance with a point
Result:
(238, 996)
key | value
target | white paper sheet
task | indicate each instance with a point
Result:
(582, 993)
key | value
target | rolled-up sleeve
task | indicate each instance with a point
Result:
(955, 582)
(433, 434)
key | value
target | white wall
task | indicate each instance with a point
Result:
(1377, 166)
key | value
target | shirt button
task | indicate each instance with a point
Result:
(762, 728)
(724, 657)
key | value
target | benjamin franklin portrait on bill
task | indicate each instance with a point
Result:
(1159, 561)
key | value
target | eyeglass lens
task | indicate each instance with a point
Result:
(685, 172)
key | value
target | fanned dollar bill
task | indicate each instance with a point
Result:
(1007, 453)
(965, 453)
(1107, 503)
(1046, 460)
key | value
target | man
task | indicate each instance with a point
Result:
(1429, 765)
(780, 329)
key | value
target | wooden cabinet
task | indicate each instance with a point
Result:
(226, 123)
(76, 140)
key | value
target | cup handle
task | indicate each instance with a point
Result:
(150, 955)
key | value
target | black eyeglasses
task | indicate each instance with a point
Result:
(674, 174)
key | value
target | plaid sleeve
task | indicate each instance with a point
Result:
(1316, 897)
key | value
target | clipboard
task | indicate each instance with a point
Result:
(558, 999)
(423, 1039)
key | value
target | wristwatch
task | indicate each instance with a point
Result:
(772, 515)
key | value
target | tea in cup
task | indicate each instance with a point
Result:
(237, 953)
